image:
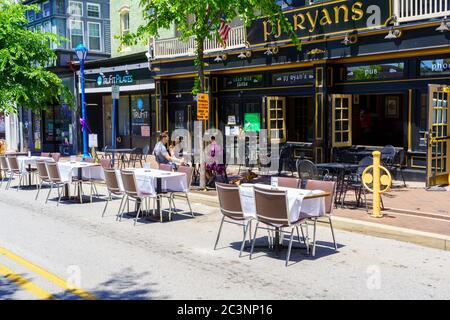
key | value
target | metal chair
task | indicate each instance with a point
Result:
(112, 184)
(135, 155)
(55, 179)
(4, 168)
(272, 209)
(230, 207)
(43, 176)
(45, 154)
(165, 167)
(189, 171)
(132, 194)
(14, 170)
(329, 187)
(106, 163)
(289, 182)
(387, 155)
(286, 159)
(56, 156)
(307, 170)
(398, 164)
(153, 163)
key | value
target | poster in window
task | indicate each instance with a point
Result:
(179, 119)
(392, 107)
(252, 122)
(145, 131)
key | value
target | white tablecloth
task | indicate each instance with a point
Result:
(25, 161)
(146, 180)
(298, 207)
(68, 170)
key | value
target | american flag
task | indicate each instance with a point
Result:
(224, 29)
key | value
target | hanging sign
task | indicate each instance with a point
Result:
(115, 92)
(202, 106)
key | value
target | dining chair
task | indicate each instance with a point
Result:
(165, 167)
(398, 164)
(188, 171)
(55, 179)
(231, 209)
(14, 171)
(135, 155)
(289, 182)
(328, 187)
(153, 163)
(43, 176)
(132, 194)
(145, 152)
(307, 170)
(112, 184)
(272, 210)
(354, 183)
(106, 163)
(91, 181)
(4, 168)
(45, 154)
(56, 156)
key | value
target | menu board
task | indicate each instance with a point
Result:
(293, 78)
(243, 81)
(375, 72)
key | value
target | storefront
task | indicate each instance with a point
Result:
(136, 114)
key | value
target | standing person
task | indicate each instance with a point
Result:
(161, 154)
(214, 166)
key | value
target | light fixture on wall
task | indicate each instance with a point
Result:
(242, 56)
(126, 70)
(101, 72)
(393, 34)
(218, 59)
(443, 27)
(346, 40)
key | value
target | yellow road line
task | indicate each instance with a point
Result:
(24, 283)
(47, 275)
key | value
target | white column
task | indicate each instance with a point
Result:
(12, 131)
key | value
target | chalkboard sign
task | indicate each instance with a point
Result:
(293, 78)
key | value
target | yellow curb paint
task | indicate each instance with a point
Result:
(24, 283)
(47, 275)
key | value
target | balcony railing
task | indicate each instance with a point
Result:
(171, 48)
(412, 10)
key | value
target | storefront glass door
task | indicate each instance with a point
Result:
(438, 160)
(107, 120)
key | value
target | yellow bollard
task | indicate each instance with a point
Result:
(376, 185)
(376, 179)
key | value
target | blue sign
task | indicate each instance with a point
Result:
(140, 104)
(113, 79)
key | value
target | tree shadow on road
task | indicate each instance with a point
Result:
(7, 289)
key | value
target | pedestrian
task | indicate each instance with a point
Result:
(214, 165)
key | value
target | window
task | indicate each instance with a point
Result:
(46, 9)
(124, 22)
(342, 120)
(75, 8)
(93, 10)
(31, 15)
(94, 35)
(60, 6)
(277, 118)
(39, 12)
(47, 26)
(76, 32)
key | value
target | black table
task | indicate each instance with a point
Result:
(121, 151)
(341, 170)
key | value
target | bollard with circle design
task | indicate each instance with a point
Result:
(377, 179)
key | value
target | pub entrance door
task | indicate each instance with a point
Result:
(438, 137)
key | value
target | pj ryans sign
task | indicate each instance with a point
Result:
(324, 18)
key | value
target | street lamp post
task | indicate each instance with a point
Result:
(82, 52)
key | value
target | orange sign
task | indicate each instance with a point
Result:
(202, 106)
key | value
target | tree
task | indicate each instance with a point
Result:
(198, 18)
(24, 57)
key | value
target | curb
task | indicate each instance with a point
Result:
(427, 239)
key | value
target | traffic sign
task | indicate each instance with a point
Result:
(115, 91)
(202, 106)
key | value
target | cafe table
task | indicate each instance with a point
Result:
(302, 203)
(26, 164)
(157, 182)
(69, 170)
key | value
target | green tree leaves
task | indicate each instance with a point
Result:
(24, 57)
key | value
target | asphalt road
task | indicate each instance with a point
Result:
(72, 243)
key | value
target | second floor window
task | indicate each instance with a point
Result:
(124, 22)
(93, 10)
(30, 15)
(76, 33)
(75, 8)
(94, 35)
(46, 9)
(60, 6)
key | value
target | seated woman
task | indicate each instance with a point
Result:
(161, 154)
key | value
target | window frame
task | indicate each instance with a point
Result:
(99, 35)
(70, 31)
(49, 9)
(98, 5)
(280, 105)
(69, 8)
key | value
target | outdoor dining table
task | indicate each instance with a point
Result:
(156, 182)
(121, 151)
(302, 203)
(68, 170)
(341, 170)
(28, 163)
